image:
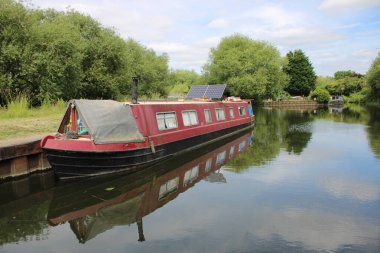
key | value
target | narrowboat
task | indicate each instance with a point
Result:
(104, 136)
(337, 100)
(98, 204)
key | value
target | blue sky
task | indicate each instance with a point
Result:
(334, 34)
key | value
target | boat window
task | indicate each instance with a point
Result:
(242, 110)
(220, 158)
(208, 116)
(190, 118)
(241, 146)
(232, 151)
(168, 187)
(232, 114)
(190, 175)
(208, 165)
(220, 114)
(166, 120)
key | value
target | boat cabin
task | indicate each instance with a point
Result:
(161, 121)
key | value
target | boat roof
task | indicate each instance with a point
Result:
(160, 102)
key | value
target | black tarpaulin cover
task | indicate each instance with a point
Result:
(108, 121)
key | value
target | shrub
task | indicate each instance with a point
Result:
(18, 107)
(359, 97)
(321, 95)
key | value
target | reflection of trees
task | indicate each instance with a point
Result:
(351, 113)
(298, 133)
(356, 114)
(266, 142)
(25, 224)
(373, 130)
(369, 115)
(275, 129)
(24, 207)
(297, 141)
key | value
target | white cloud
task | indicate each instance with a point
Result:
(309, 226)
(169, 47)
(347, 5)
(365, 53)
(209, 42)
(277, 16)
(129, 21)
(354, 189)
(315, 229)
(187, 55)
(218, 23)
(285, 27)
(296, 36)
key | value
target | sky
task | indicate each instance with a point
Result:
(334, 34)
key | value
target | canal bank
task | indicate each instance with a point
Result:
(290, 104)
(21, 156)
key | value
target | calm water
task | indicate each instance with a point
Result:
(305, 181)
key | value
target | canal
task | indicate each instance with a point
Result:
(302, 181)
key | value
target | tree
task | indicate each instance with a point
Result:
(181, 80)
(346, 86)
(324, 81)
(152, 69)
(302, 78)
(321, 95)
(46, 55)
(252, 69)
(373, 77)
(346, 73)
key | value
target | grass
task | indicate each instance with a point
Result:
(19, 120)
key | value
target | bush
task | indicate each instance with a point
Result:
(359, 97)
(321, 95)
(17, 107)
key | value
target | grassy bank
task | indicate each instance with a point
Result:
(18, 120)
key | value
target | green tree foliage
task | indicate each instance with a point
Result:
(302, 78)
(374, 129)
(373, 78)
(299, 131)
(323, 81)
(266, 141)
(47, 55)
(346, 73)
(252, 69)
(152, 70)
(181, 80)
(346, 86)
(321, 95)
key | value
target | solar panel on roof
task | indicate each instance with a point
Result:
(214, 91)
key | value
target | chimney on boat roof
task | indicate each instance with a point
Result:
(134, 89)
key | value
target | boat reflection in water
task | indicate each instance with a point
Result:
(93, 206)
